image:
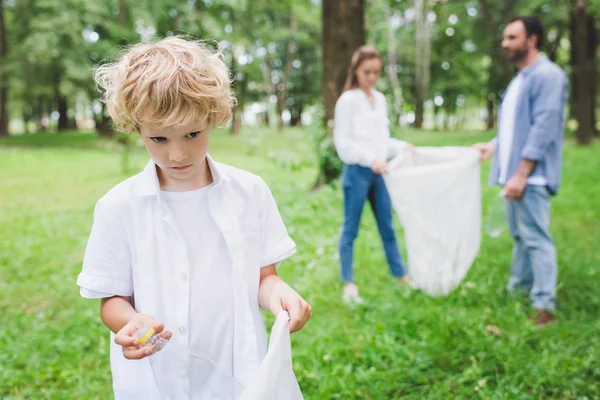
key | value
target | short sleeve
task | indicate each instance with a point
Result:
(277, 245)
(107, 261)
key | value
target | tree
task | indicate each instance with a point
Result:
(3, 74)
(343, 31)
(583, 47)
(455, 64)
(422, 58)
(493, 16)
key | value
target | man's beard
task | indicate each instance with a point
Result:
(517, 55)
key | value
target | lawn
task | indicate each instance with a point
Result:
(400, 345)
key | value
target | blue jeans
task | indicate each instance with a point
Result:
(534, 266)
(360, 184)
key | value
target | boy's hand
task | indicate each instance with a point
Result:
(283, 297)
(131, 346)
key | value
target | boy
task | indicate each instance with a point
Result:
(188, 243)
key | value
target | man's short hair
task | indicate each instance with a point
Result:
(533, 26)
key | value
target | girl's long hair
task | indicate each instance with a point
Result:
(362, 54)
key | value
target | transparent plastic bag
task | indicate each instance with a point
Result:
(495, 220)
(182, 373)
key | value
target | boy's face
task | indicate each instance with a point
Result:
(179, 152)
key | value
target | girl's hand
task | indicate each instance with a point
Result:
(379, 166)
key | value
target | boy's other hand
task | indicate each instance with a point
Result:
(283, 297)
(132, 349)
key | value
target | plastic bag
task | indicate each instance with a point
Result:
(182, 373)
(275, 379)
(436, 192)
(495, 220)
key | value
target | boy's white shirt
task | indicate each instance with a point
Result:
(361, 130)
(135, 249)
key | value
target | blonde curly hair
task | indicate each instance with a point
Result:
(172, 82)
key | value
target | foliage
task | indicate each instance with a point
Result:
(474, 344)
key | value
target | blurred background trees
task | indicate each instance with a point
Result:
(444, 68)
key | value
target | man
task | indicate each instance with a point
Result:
(527, 161)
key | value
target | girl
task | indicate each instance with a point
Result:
(362, 139)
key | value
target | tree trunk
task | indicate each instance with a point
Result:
(123, 13)
(238, 110)
(235, 117)
(419, 114)
(27, 117)
(593, 46)
(343, 31)
(554, 45)
(63, 108)
(422, 59)
(297, 114)
(3, 75)
(103, 124)
(583, 73)
(40, 112)
(282, 91)
(269, 88)
(494, 16)
(392, 62)
(491, 119)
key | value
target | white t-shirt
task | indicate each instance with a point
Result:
(506, 130)
(210, 277)
(362, 130)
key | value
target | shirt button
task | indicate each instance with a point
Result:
(182, 329)
(184, 277)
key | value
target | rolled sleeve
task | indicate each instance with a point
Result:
(107, 262)
(277, 245)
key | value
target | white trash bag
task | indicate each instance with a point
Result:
(436, 192)
(275, 379)
(182, 373)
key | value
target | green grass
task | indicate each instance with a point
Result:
(401, 345)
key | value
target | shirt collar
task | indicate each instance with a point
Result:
(148, 184)
(530, 68)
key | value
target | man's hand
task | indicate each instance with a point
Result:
(132, 349)
(515, 187)
(379, 166)
(486, 150)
